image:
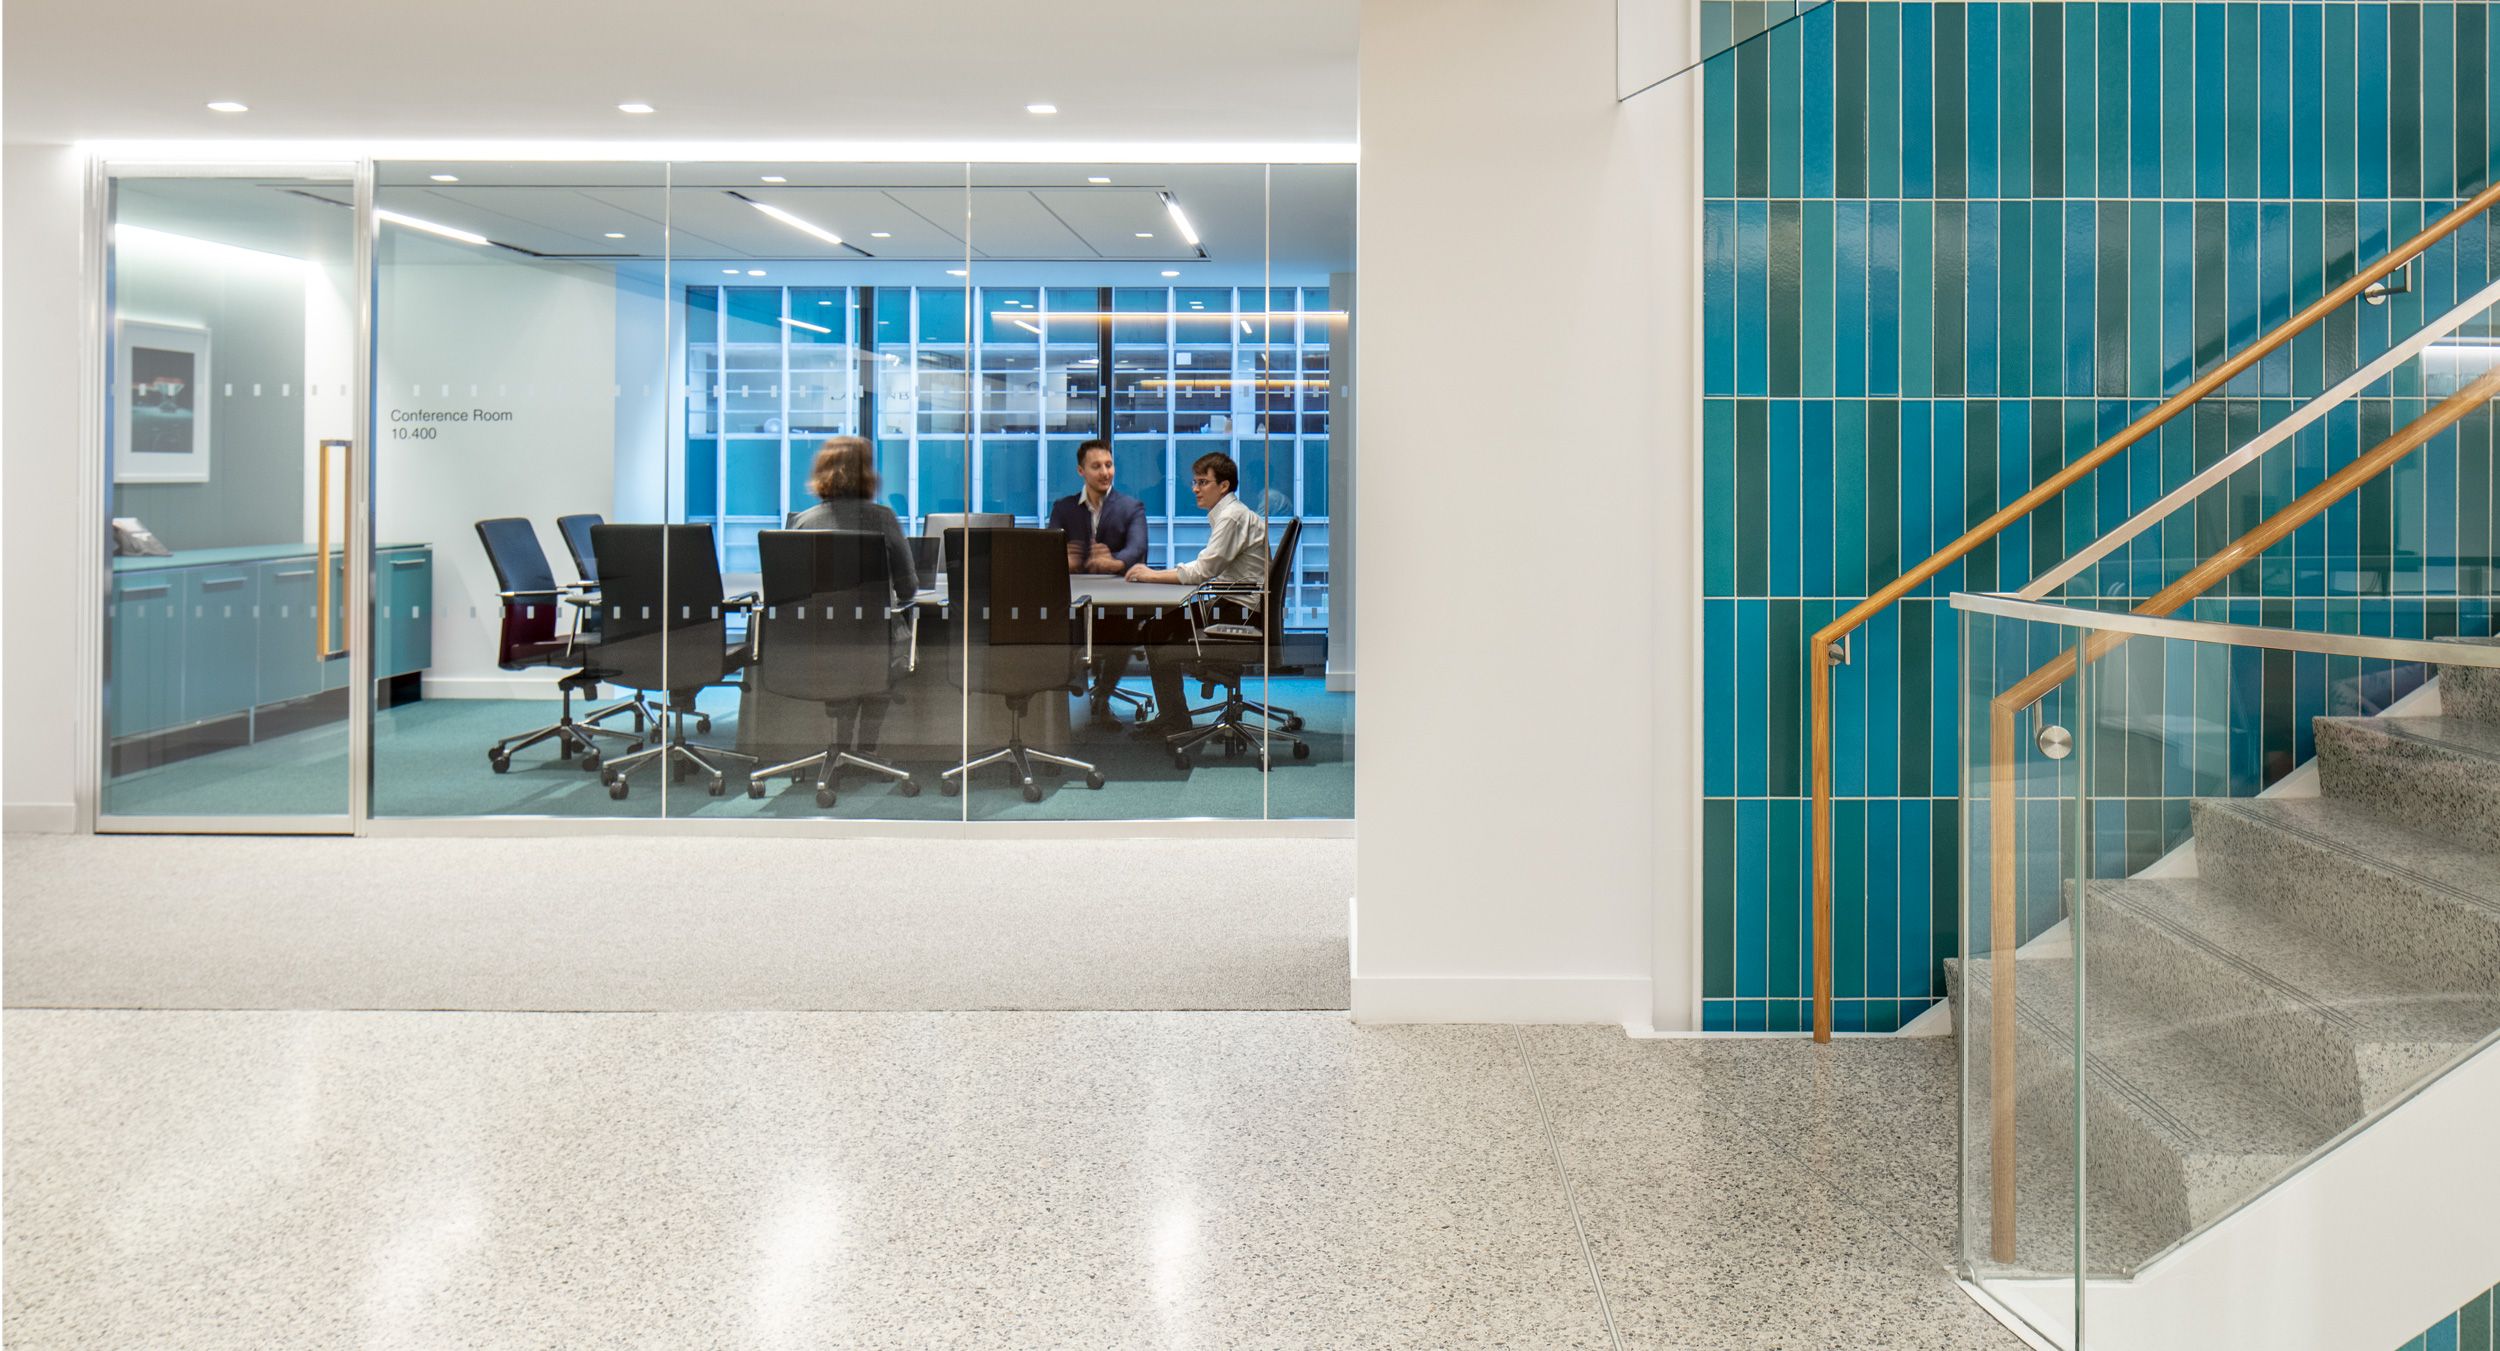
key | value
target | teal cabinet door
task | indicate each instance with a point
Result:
(289, 669)
(403, 620)
(220, 651)
(143, 662)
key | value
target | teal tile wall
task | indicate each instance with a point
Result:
(2472, 1328)
(1948, 248)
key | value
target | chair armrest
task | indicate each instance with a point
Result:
(516, 595)
(744, 600)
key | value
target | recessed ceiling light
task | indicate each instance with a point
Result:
(616, 234)
(881, 234)
(824, 302)
(446, 178)
(775, 178)
(228, 106)
(957, 272)
(636, 108)
(430, 227)
(755, 272)
(1173, 205)
(1098, 178)
(1169, 273)
(729, 271)
(1145, 234)
(1041, 109)
(802, 226)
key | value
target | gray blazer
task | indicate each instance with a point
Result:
(858, 513)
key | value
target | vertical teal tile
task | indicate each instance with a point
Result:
(1817, 80)
(1718, 956)
(1719, 121)
(1787, 283)
(2212, 84)
(1951, 268)
(2370, 99)
(1981, 155)
(1849, 935)
(2274, 100)
(1849, 495)
(1719, 502)
(1918, 299)
(2014, 101)
(1753, 498)
(2338, 170)
(2178, 100)
(1849, 100)
(1785, 908)
(1918, 100)
(2013, 363)
(2473, 163)
(2404, 100)
(2048, 98)
(2308, 99)
(1883, 132)
(2111, 79)
(1786, 58)
(2144, 129)
(2111, 284)
(2048, 348)
(1816, 326)
(2241, 141)
(1753, 120)
(2439, 99)
(2082, 99)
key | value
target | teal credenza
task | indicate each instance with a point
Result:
(209, 633)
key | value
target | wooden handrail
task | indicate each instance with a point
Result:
(2007, 707)
(1827, 647)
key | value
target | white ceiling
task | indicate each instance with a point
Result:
(1119, 70)
(1297, 218)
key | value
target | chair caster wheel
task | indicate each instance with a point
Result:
(909, 788)
(949, 787)
(824, 797)
(499, 761)
(591, 762)
(1032, 792)
(755, 788)
(1293, 724)
(1094, 780)
(1205, 690)
(717, 786)
(703, 722)
(618, 789)
(1301, 750)
(634, 749)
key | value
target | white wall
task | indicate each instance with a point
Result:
(1526, 777)
(461, 331)
(39, 486)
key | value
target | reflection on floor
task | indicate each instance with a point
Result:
(1103, 1180)
(430, 760)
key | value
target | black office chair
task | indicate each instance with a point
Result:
(825, 634)
(576, 532)
(665, 629)
(1226, 648)
(530, 638)
(1007, 593)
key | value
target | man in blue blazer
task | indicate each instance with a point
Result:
(1106, 531)
(1106, 528)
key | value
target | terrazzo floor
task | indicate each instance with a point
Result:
(421, 1174)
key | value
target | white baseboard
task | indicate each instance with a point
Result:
(1501, 999)
(39, 818)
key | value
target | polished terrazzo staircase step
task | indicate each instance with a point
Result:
(2337, 1030)
(2423, 903)
(2175, 1129)
(2470, 692)
(2434, 774)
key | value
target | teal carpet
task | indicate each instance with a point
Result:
(430, 760)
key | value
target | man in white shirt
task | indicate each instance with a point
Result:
(1236, 552)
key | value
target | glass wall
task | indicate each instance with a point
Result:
(668, 348)
(230, 432)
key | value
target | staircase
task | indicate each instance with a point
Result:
(2333, 954)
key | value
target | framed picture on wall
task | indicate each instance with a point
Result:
(164, 404)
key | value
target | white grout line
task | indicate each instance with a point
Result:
(1562, 1173)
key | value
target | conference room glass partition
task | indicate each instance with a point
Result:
(702, 356)
(230, 439)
